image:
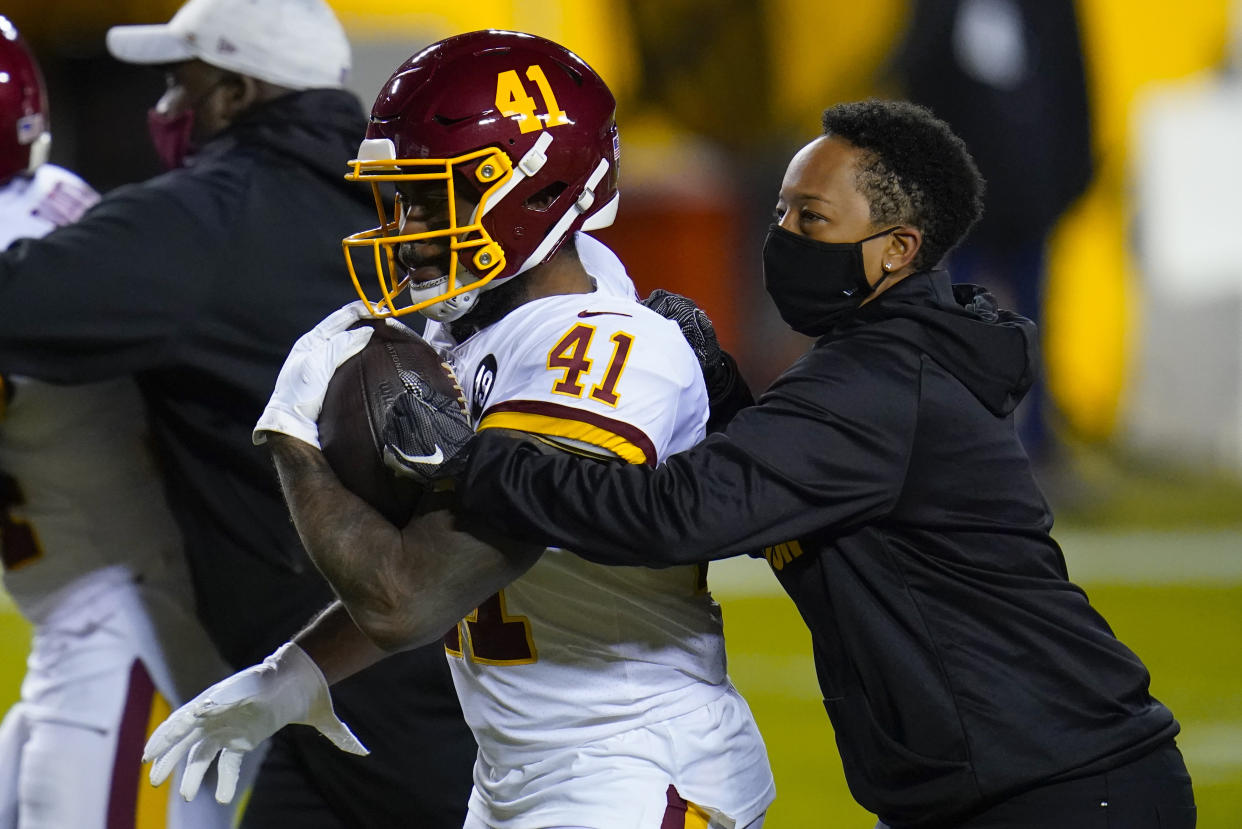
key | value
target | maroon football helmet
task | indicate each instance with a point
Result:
(24, 137)
(524, 126)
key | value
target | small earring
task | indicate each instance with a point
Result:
(888, 266)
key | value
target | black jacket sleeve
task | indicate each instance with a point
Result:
(728, 394)
(107, 296)
(825, 448)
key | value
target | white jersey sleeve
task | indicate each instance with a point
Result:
(33, 206)
(604, 373)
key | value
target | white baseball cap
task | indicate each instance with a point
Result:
(297, 44)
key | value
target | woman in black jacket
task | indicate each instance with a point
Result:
(969, 682)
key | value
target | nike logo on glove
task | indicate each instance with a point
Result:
(433, 458)
(585, 314)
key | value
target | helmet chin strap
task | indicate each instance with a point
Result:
(448, 310)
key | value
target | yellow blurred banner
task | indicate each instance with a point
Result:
(1092, 282)
(596, 30)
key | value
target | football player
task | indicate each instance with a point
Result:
(91, 555)
(599, 697)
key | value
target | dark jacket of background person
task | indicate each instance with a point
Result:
(883, 476)
(1008, 77)
(197, 282)
(1019, 102)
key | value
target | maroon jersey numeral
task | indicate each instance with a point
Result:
(493, 637)
(570, 356)
(606, 392)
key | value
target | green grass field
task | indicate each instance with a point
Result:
(1175, 598)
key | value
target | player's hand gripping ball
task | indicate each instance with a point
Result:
(395, 364)
(425, 434)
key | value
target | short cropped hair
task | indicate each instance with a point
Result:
(914, 171)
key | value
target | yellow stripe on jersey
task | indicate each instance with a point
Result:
(540, 424)
(151, 810)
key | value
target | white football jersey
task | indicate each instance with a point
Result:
(574, 652)
(78, 487)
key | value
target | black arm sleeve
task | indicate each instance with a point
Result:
(785, 468)
(106, 296)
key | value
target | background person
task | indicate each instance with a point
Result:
(1007, 76)
(196, 282)
(90, 553)
(969, 682)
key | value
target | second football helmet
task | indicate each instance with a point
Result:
(521, 128)
(24, 136)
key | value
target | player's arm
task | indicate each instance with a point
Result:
(404, 587)
(813, 454)
(397, 588)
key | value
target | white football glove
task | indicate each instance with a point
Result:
(237, 714)
(303, 380)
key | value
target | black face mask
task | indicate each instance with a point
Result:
(814, 284)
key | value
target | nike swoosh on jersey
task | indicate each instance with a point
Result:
(585, 314)
(433, 458)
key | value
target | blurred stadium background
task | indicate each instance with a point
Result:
(1141, 305)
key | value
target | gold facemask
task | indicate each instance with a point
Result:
(486, 258)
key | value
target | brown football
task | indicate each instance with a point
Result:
(358, 398)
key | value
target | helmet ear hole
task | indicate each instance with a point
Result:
(542, 200)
